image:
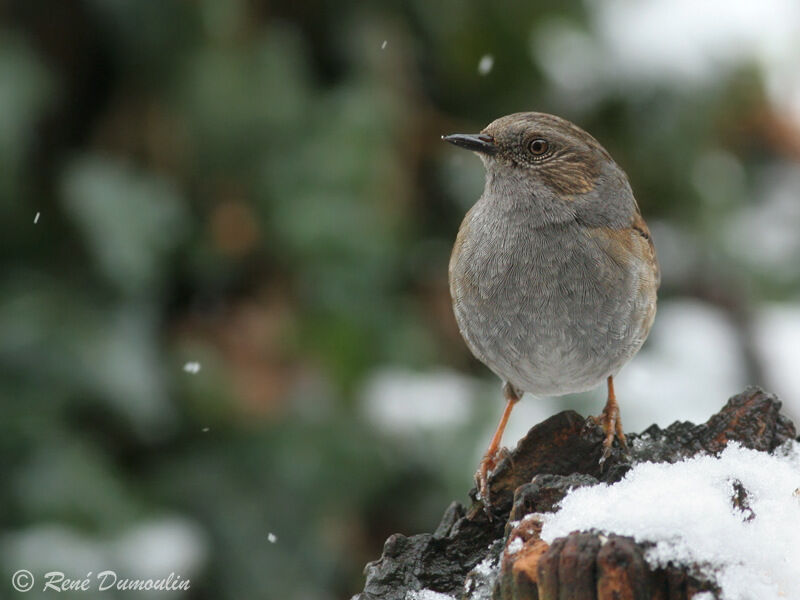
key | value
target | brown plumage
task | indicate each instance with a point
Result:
(554, 273)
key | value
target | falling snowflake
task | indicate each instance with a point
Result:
(485, 65)
(192, 367)
(272, 537)
(36, 218)
(383, 45)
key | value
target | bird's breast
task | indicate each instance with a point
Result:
(544, 307)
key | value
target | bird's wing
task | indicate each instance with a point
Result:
(640, 227)
(628, 245)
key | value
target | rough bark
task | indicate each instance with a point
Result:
(468, 555)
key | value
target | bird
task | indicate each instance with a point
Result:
(553, 275)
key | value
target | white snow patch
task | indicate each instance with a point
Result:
(641, 36)
(485, 567)
(427, 595)
(679, 42)
(272, 537)
(486, 64)
(777, 339)
(168, 544)
(480, 581)
(160, 545)
(403, 401)
(192, 367)
(515, 545)
(686, 510)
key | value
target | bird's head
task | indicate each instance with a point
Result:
(537, 159)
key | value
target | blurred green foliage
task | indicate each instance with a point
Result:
(260, 187)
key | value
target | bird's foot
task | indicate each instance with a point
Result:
(609, 421)
(485, 469)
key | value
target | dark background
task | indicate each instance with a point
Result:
(260, 188)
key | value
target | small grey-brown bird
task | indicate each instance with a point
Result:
(553, 274)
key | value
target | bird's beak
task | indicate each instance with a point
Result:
(477, 142)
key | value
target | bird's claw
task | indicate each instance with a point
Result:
(611, 425)
(485, 469)
(606, 454)
(503, 454)
(482, 479)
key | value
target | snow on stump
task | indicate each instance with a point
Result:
(707, 511)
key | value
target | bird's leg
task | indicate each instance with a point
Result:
(495, 452)
(611, 423)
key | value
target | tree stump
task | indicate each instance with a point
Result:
(468, 556)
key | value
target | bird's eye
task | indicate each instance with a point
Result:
(538, 147)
